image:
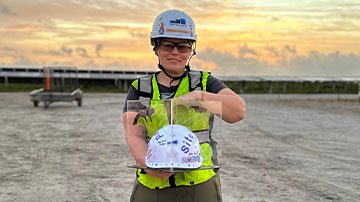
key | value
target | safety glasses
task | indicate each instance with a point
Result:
(168, 46)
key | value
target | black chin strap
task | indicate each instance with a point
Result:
(174, 78)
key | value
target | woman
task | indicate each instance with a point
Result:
(173, 38)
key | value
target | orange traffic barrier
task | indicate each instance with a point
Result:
(48, 82)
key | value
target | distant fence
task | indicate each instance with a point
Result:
(122, 79)
(240, 84)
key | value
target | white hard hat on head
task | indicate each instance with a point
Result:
(174, 146)
(173, 24)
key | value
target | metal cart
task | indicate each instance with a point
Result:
(61, 84)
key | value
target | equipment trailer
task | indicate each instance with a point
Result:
(60, 85)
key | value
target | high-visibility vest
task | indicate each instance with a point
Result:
(198, 122)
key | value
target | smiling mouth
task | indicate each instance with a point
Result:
(174, 59)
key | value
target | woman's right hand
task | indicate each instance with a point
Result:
(160, 174)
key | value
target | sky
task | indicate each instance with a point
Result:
(235, 37)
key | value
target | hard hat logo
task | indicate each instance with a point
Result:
(187, 141)
(177, 30)
(178, 22)
(158, 136)
(182, 148)
(191, 159)
(161, 30)
(174, 142)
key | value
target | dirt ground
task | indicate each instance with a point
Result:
(289, 148)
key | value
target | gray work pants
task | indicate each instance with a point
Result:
(209, 191)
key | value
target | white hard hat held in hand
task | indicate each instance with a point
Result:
(174, 146)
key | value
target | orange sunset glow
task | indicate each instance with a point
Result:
(238, 37)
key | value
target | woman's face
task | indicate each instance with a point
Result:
(173, 54)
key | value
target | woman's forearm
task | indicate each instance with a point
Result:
(233, 106)
(136, 138)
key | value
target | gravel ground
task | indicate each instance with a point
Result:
(289, 148)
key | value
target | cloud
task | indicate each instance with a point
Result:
(287, 53)
(7, 48)
(82, 52)
(332, 64)
(273, 51)
(290, 49)
(244, 50)
(4, 10)
(52, 52)
(61, 64)
(229, 64)
(99, 48)
(90, 64)
(62, 51)
(288, 63)
(67, 51)
(23, 61)
(138, 33)
(274, 19)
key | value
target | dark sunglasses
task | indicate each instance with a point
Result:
(182, 47)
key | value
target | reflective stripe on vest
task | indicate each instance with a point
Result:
(148, 89)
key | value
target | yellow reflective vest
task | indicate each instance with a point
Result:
(147, 88)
